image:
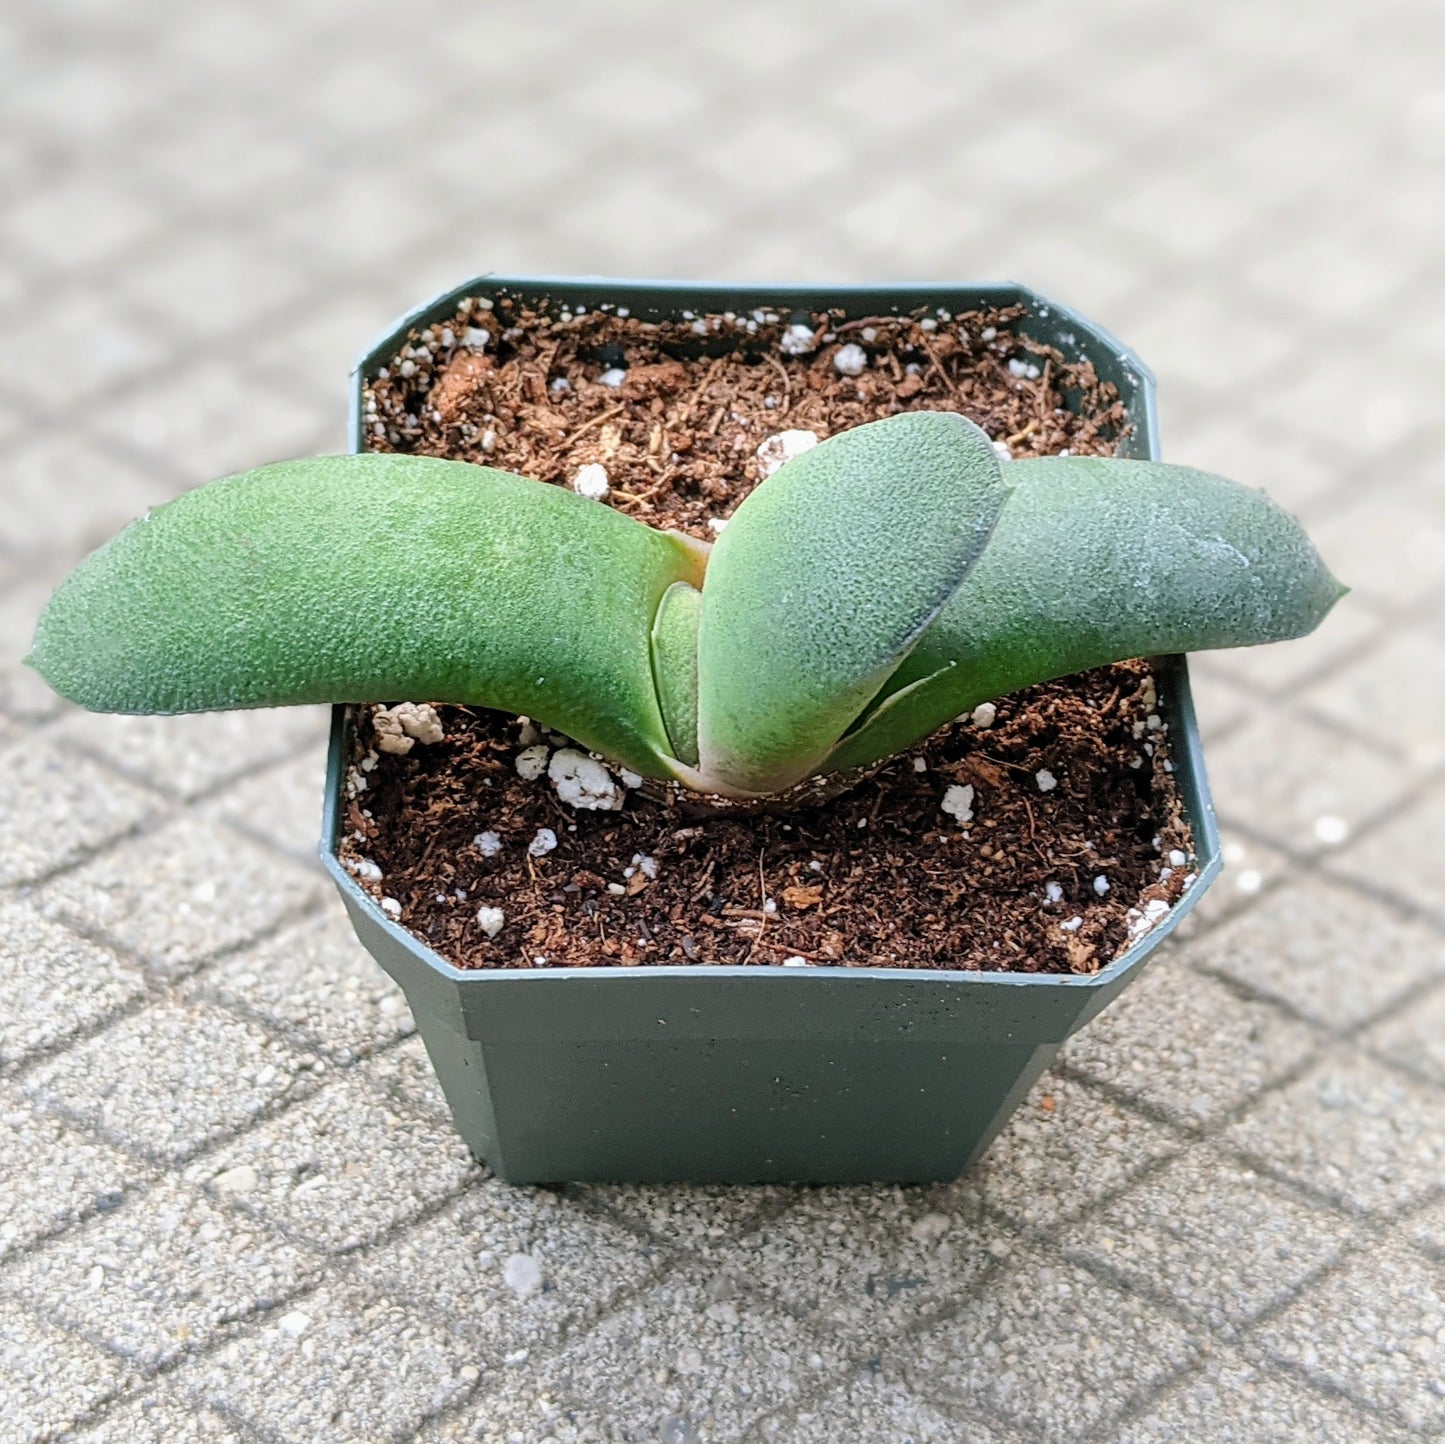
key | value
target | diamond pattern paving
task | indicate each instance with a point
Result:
(232, 1204)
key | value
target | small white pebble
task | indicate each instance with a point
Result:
(1000, 450)
(795, 962)
(1153, 721)
(770, 905)
(491, 920)
(1331, 830)
(614, 376)
(630, 780)
(476, 337)
(583, 782)
(531, 762)
(397, 728)
(958, 802)
(616, 889)
(295, 1323)
(365, 869)
(778, 450)
(544, 842)
(489, 844)
(591, 481)
(1101, 884)
(645, 864)
(717, 524)
(1250, 880)
(920, 764)
(1177, 858)
(1142, 922)
(815, 865)
(984, 715)
(1046, 780)
(988, 333)
(1071, 925)
(391, 907)
(928, 324)
(797, 340)
(559, 386)
(522, 1274)
(1023, 369)
(1053, 892)
(869, 334)
(850, 360)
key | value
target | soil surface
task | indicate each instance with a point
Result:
(1041, 838)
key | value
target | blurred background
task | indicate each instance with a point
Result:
(206, 211)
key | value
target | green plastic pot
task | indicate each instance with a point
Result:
(754, 1074)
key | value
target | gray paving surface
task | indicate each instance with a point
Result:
(231, 1207)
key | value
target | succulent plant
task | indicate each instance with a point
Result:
(871, 589)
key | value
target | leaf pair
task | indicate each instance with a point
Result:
(868, 591)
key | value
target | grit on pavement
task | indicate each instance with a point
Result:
(232, 1207)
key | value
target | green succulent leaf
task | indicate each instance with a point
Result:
(1095, 561)
(370, 578)
(826, 577)
(674, 666)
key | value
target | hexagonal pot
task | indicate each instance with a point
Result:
(767, 1073)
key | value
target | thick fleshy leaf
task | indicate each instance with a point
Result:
(826, 576)
(375, 578)
(674, 666)
(1095, 561)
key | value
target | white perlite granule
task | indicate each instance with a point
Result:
(1143, 922)
(399, 728)
(591, 481)
(984, 715)
(544, 842)
(777, 450)
(583, 782)
(489, 844)
(491, 920)
(531, 762)
(797, 340)
(1046, 780)
(958, 802)
(850, 360)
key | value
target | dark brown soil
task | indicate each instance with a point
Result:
(679, 435)
(1071, 781)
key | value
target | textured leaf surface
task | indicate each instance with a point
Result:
(372, 578)
(1095, 561)
(825, 577)
(674, 666)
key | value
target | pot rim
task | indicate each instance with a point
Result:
(1171, 670)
